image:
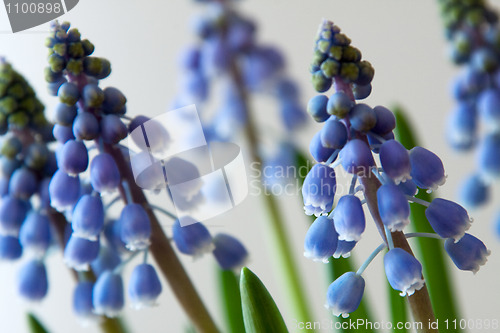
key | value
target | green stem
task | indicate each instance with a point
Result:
(291, 274)
(164, 254)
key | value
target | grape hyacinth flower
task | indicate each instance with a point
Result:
(387, 190)
(229, 252)
(84, 186)
(321, 240)
(345, 293)
(144, 286)
(107, 294)
(82, 301)
(27, 164)
(193, 239)
(349, 218)
(472, 30)
(468, 254)
(318, 190)
(32, 280)
(403, 271)
(227, 53)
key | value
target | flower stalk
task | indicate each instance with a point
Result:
(291, 272)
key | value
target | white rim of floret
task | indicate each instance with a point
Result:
(312, 256)
(89, 319)
(435, 186)
(416, 284)
(106, 191)
(467, 226)
(202, 249)
(37, 251)
(398, 225)
(144, 301)
(107, 311)
(337, 255)
(85, 235)
(138, 244)
(312, 210)
(459, 137)
(481, 262)
(13, 232)
(60, 207)
(402, 178)
(77, 266)
(336, 312)
(350, 236)
(488, 177)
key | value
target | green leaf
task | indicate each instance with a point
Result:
(432, 253)
(336, 267)
(34, 324)
(260, 313)
(231, 300)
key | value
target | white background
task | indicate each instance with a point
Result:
(402, 39)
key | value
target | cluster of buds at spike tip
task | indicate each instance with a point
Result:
(351, 135)
(473, 32)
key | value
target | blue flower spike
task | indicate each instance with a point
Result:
(468, 254)
(349, 218)
(144, 286)
(448, 219)
(318, 190)
(344, 294)
(107, 295)
(356, 131)
(321, 240)
(403, 271)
